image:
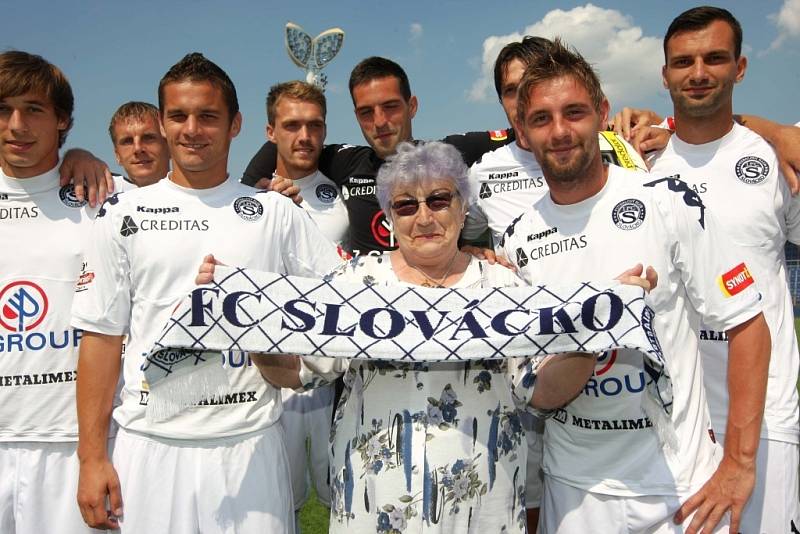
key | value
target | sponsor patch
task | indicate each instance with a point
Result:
(24, 306)
(85, 278)
(381, 230)
(735, 280)
(485, 192)
(68, 197)
(326, 193)
(129, 226)
(522, 259)
(628, 214)
(752, 170)
(248, 208)
(498, 135)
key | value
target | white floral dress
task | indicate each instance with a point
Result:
(427, 447)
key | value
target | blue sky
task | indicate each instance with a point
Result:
(115, 51)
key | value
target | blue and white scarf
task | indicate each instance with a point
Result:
(246, 310)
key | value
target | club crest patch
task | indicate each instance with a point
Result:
(326, 193)
(628, 214)
(68, 197)
(752, 170)
(248, 208)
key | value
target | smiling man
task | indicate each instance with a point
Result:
(205, 468)
(614, 461)
(139, 146)
(384, 108)
(45, 226)
(736, 173)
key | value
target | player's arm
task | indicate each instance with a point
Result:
(280, 370)
(785, 139)
(90, 176)
(473, 145)
(98, 372)
(732, 483)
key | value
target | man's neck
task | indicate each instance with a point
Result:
(701, 130)
(198, 179)
(292, 173)
(45, 165)
(566, 194)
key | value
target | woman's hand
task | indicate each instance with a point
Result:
(633, 277)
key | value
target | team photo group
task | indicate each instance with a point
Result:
(579, 323)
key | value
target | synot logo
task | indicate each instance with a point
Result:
(24, 306)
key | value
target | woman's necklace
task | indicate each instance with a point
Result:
(430, 282)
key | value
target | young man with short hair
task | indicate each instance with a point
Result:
(43, 226)
(736, 174)
(616, 459)
(139, 146)
(204, 469)
(384, 108)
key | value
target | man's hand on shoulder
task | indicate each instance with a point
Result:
(89, 175)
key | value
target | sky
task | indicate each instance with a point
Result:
(113, 51)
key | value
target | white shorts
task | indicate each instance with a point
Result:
(307, 416)
(39, 488)
(567, 509)
(236, 485)
(534, 477)
(773, 506)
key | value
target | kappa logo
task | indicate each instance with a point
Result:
(69, 198)
(560, 416)
(129, 226)
(248, 208)
(382, 230)
(3, 196)
(145, 209)
(522, 259)
(690, 196)
(24, 306)
(110, 201)
(326, 193)
(752, 170)
(628, 214)
(735, 281)
(485, 192)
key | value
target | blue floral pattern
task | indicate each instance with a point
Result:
(428, 448)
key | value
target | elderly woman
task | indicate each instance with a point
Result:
(430, 447)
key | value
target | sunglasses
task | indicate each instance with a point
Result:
(435, 202)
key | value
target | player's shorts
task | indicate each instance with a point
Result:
(534, 478)
(39, 488)
(567, 509)
(307, 416)
(236, 484)
(774, 505)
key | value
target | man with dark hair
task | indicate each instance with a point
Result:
(205, 468)
(38, 349)
(138, 145)
(736, 174)
(616, 460)
(384, 108)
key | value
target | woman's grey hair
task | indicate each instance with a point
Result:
(418, 164)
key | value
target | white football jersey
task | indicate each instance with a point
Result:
(507, 181)
(603, 441)
(321, 199)
(43, 227)
(146, 247)
(739, 179)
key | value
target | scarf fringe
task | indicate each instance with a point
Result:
(662, 424)
(185, 387)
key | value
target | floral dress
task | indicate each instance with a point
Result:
(426, 447)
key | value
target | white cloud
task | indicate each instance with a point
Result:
(629, 63)
(415, 32)
(788, 22)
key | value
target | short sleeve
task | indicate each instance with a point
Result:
(103, 304)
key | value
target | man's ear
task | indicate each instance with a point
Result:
(413, 104)
(741, 67)
(270, 133)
